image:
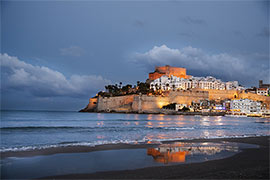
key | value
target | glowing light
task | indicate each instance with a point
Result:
(160, 104)
(149, 117)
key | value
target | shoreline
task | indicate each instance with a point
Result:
(103, 147)
(248, 164)
(165, 112)
(178, 113)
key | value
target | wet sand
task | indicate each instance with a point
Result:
(248, 164)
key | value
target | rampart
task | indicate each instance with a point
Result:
(168, 71)
(221, 94)
(153, 104)
(118, 103)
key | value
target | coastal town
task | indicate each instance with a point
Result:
(169, 90)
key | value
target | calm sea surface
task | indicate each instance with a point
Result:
(23, 130)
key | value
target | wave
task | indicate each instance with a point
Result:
(41, 127)
(90, 128)
(105, 142)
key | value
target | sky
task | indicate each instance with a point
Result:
(55, 55)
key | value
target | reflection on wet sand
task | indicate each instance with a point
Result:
(177, 152)
(167, 155)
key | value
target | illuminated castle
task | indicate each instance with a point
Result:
(168, 71)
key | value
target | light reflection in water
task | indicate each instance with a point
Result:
(100, 137)
(136, 116)
(100, 116)
(205, 121)
(101, 123)
(178, 152)
(160, 117)
(149, 117)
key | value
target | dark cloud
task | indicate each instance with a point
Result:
(42, 81)
(191, 20)
(245, 69)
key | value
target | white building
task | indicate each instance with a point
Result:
(180, 106)
(262, 91)
(231, 85)
(175, 83)
(245, 106)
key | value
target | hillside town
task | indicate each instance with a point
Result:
(170, 90)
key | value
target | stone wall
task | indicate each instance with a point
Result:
(153, 104)
(144, 103)
(256, 97)
(119, 103)
(221, 94)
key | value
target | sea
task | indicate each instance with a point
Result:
(30, 130)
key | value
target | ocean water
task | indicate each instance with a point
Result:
(25, 130)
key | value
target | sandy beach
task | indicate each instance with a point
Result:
(249, 164)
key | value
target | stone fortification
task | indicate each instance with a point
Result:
(256, 97)
(221, 94)
(153, 104)
(119, 103)
(168, 71)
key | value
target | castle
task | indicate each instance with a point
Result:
(168, 71)
(189, 91)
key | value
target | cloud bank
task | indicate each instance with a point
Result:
(199, 63)
(42, 81)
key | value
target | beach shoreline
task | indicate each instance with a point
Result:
(103, 147)
(250, 163)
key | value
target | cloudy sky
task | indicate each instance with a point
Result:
(55, 55)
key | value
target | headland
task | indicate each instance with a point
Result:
(169, 90)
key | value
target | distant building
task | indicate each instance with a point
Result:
(262, 91)
(176, 83)
(246, 106)
(180, 106)
(251, 90)
(168, 71)
(231, 85)
(261, 85)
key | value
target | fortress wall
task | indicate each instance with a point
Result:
(92, 103)
(115, 103)
(186, 97)
(146, 103)
(221, 94)
(151, 103)
(256, 97)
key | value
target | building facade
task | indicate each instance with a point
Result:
(262, 91)
(262, 85)
(246, 106)
(175, 83)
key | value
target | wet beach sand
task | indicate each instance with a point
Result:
(248, 164)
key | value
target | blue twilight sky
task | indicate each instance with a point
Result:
(55, 55)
